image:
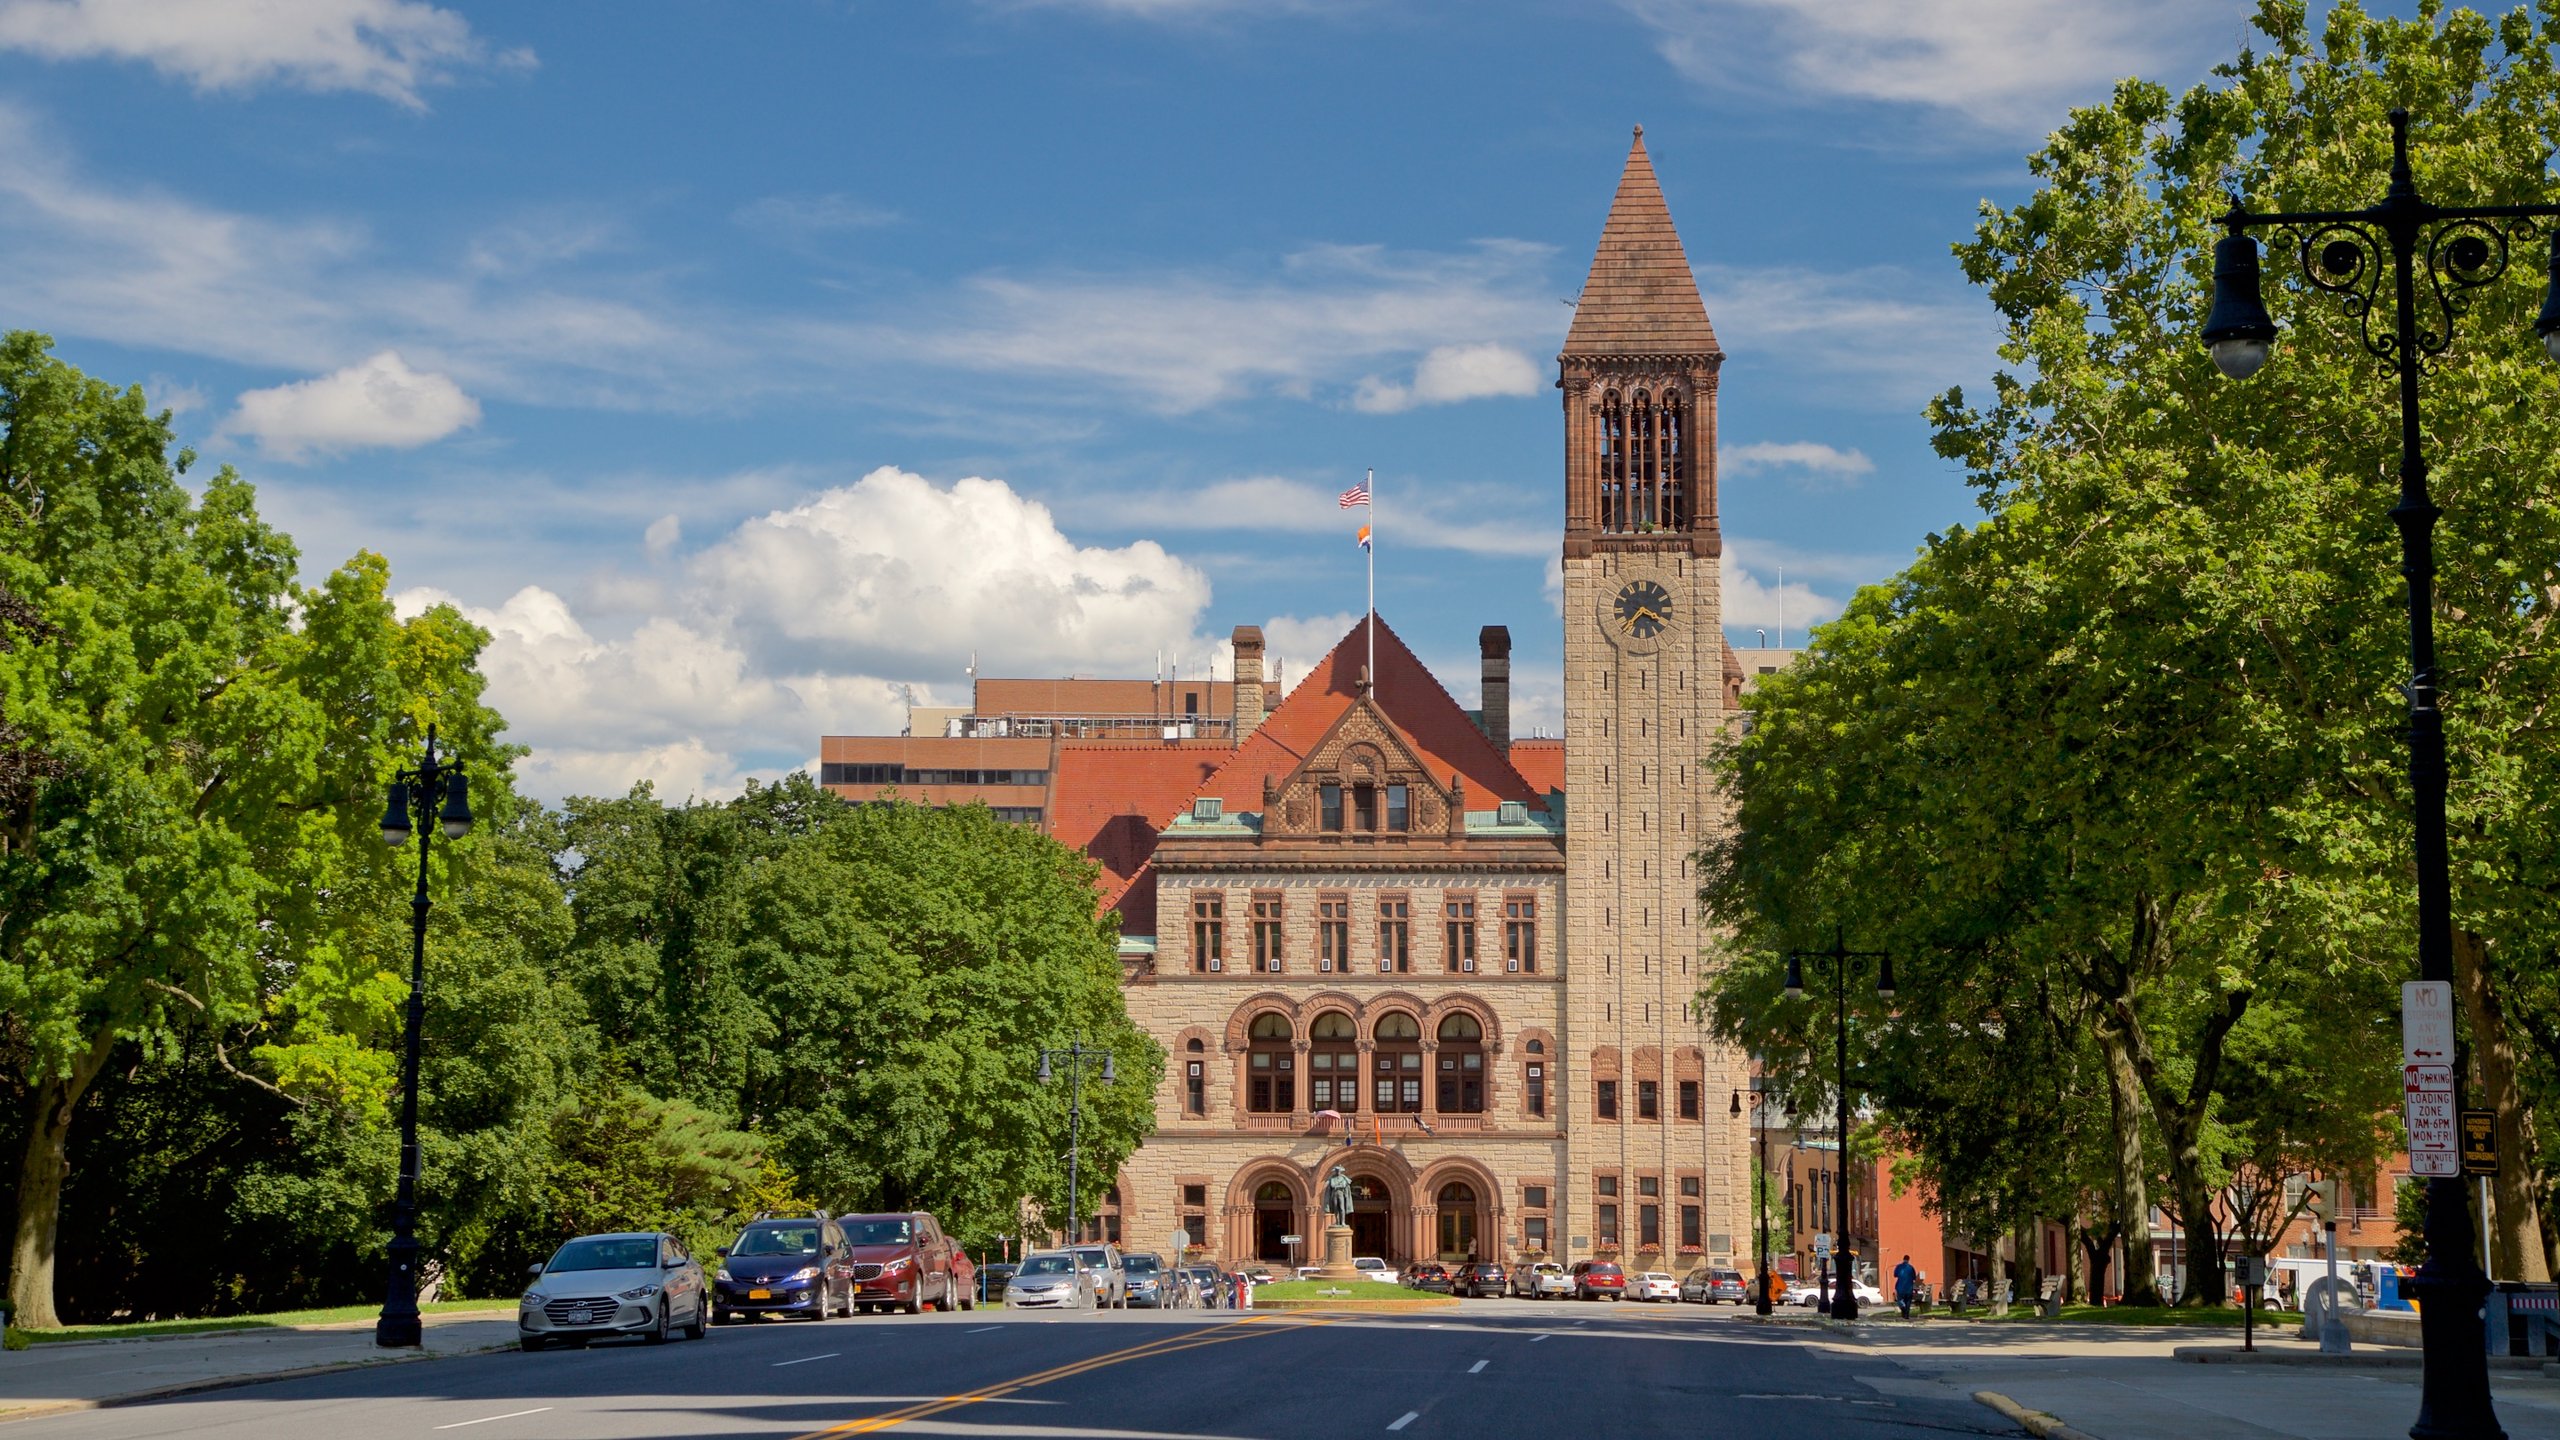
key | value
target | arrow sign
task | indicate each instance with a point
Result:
(2426, 1022)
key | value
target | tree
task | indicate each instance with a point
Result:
(197, 741)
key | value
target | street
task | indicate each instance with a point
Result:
(1490, 1368)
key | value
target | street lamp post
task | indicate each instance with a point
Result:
(1760, 1193)
(1844, 1292)
(1076, 1056)
(435, 792)
(2340, 251)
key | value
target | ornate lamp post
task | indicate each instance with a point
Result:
(436, 793)
(2341, 251)
(1076, 1056)
(1760, 1192)
(1844, 1292)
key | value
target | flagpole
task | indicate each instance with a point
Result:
(1372, 548)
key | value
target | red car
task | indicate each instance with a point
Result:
(901, 1262)
(1598, 1280)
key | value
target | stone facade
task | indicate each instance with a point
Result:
(1550, 1090)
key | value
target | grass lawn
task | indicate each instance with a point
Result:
(1364, 1291)
(280, 1320)
(2223, 1315)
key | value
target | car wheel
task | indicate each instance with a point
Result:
(700, 1326)
(914, 1306)
(658, 1332)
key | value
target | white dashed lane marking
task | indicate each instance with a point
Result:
(1478, 1367)
(805, 1359)
(1406, 1419)
(485, 1419)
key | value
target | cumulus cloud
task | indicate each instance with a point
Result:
(1450, 374)
(1761, 594)
(2010, 66)
(659, 540)
(378, 402)
(389, 48)
(1808, 464)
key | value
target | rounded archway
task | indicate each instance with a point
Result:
(1461, 1061)
(1461, 1220)
(1270, 1066)
(1275, 1217)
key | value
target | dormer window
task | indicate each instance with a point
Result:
(1329, 807)
(1399, 807)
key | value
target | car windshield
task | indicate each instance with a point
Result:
(1604, 1270)
(878, 1232)
(622, 1254)
(777, 1240)
(1141, 1265)
(1046, 1265)
(1097, 1257)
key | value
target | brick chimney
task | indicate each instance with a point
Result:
(1495, 642)
(1248, 682)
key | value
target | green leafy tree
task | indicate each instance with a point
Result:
(197, 742)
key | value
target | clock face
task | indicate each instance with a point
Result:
(1642, 610)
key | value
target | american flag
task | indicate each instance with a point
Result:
(1356, 495)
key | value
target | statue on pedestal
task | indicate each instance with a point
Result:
(1337, 1197)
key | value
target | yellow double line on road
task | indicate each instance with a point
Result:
(1192, 1340)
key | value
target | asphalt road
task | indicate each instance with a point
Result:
(1492, 1368)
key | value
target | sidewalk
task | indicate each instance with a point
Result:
(2129, 1385)
(84, 1374)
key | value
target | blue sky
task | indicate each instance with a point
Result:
(746, 366)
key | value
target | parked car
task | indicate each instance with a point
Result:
(1051, 1279)
(1428, 1275)
(1814, 1295)
(1481, 1279)
(992, 1280)
(1150, 1284)
(1258, 1274)
(1211, 1286)
(1598, 1280)
(902, 1261)
(595, 1286)
(1543, 1280)
(1373, 1268)
(784, 1265)
(1652, 1285)
(1110, 1274)
(1706, 1286)
(964, 1279)
(1309, 1272)
(1797, 1292)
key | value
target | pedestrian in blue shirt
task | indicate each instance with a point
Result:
(1906, 1285)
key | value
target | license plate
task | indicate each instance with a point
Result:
(759, 1294)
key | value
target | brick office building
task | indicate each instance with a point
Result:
(1373, 930)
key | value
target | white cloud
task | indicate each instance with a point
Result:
(1811, 464)
(389, 48)
(660, 539)
(1909, 338)
(897, 571)
(1427, 514)
(1760, 595)
(1450, 374)
(804, 219)
(376, 402)
(2008, 66)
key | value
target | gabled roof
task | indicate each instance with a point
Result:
(1413, 701)
(1110, 797)
(1641, 298)
(1540, 762)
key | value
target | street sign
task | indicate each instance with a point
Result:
(1293, 1239)
(2479, 1142)
(1822, 1246)
(2249, 1270)
(2427, 1093)
(1181, 1243)
(2426, 1022)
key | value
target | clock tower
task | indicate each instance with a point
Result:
(1650, 1144)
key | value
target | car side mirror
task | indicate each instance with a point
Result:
(533, 1269)
(722, 1252)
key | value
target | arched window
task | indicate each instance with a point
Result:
(1613, 463)
(1195, 1078)
(1395, 1066)
(1461, 1066)
(1457, 1218)
(1333, 1064)
(1272, 1066)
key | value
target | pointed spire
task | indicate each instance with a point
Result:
(1640, 298)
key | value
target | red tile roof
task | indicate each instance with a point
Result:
(1414, 701)
(1108, 798)
(1540, 762)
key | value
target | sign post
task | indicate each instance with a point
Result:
(2252, 1273)
(2426, 1077)
(2480, 1157)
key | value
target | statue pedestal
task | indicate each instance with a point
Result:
(1337, 1253)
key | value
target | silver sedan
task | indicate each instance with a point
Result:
(599, 1286)
(1051, 1280)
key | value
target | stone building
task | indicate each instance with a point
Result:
(1382, 934)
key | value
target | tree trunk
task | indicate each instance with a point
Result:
(1999, 1273)
(2071, 1232)
(2096, 1243)
(2133, 1192)
(2024, 1242)
(2199, 1251)
(2515, 1230)
(40, 1176)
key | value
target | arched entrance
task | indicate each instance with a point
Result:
(1372, 1218)
(1460, 1220)
(1275, 1214)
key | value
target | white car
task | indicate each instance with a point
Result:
(1653, 1285)
(1798, 1292)
(599, 1286)
(1812, 1296)
(1373, 1268)
(1545, 1280)
(1051, 1280)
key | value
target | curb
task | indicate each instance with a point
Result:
(229, 1382)
(2374, 1359)
(328, 1328)
(2038, 1423)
